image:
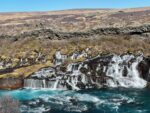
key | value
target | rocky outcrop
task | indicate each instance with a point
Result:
(127, 71)
(144, 68)
(79, 70)
(56, 35)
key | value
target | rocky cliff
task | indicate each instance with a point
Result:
(128, 70)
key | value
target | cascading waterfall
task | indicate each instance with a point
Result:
(130, 78)
(110, 71)
(40, 79)
(56, 84)
(35, 83)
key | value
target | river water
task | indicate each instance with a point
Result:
(116, 100)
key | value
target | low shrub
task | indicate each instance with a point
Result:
(9, 105)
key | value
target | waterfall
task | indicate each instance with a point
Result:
(32, 83)
(43, 84)
(130, 78)
(110, 71)
(56, 84)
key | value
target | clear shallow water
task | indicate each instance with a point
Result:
(87, 101)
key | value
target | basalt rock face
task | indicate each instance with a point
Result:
(127, 71)
(143, 68)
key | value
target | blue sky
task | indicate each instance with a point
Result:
(47, 5)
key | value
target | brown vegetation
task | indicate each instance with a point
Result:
(9, 105)
(24, 71)
(111, 44)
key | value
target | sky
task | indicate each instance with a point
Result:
(49, 5)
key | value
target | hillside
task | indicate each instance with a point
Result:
(30, 40)
(73, 20)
